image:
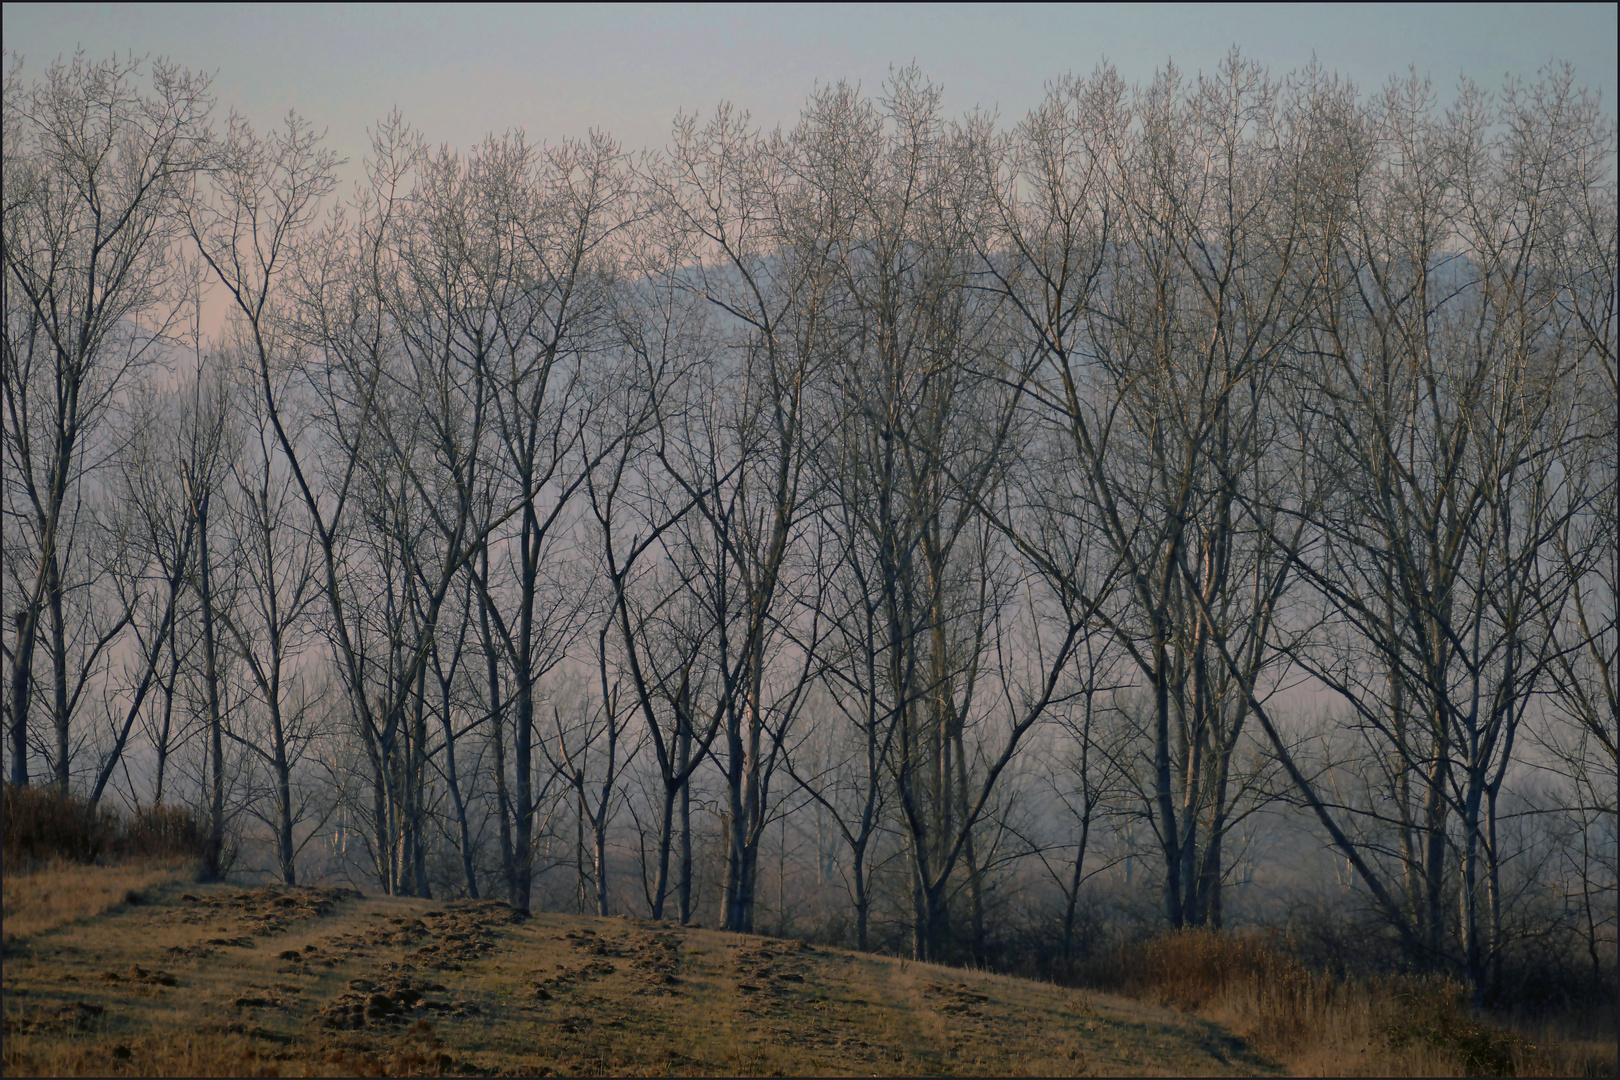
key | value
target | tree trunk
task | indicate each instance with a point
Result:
(666, 829)
(22, 669)
(463, 834)
(685, 743)
(1170, 835)
(863, 902)
(503, 807)
(59, 711)
(216, 726)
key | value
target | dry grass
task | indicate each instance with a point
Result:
(171, 1054)
(44, 898)
(1321, 1026)
(225, 981)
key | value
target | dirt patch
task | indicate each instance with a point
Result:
(77, 1016)
(140, 976)
(768, 970)
(391, 1003)
(591, 943)
(390, 932)
(543, 986)
(266, 912)
(420, 1054)
(304, 961)
(465, 932)
(657, 959)
(241, 942)
(958, 1000)
(244, 917)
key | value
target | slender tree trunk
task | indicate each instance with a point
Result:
(523, 744)
(579, 841)
(1494, 884)
(863, 902)
(463, 834)
(736, 831)
(684, 741)
(216, 724)
(1169, 832)
(381, 834)
(503, 810)
(1473, 957)
(1211, 868)
(503, 807)
(168, 717)
(919, 906)
(22, 669)
(599, 862)
(59, 712)
(666, 828)
(1435, 853)
(1072, 895)
(283, 767)
(969, 855)
(418, 785)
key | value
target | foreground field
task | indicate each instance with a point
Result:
(230, 981)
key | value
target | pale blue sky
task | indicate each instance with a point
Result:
(556, 71)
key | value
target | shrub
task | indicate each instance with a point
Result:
(41, 824)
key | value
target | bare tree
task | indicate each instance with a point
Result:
(1443, 365)
(164, 533)
(761, 246)
(541, 230)
(1155, 273)
(268, 627)
(96, 171)
(660, 639)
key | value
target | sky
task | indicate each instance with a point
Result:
(558, 71)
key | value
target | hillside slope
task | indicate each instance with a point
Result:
(226, 980)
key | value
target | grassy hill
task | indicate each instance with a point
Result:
(229, 981)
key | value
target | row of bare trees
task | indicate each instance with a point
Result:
(989, 497)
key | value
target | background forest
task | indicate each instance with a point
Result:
(1190, 505)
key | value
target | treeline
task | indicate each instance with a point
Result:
(984, 504)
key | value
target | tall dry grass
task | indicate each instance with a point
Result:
(1321, 1025)
(41, 826)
